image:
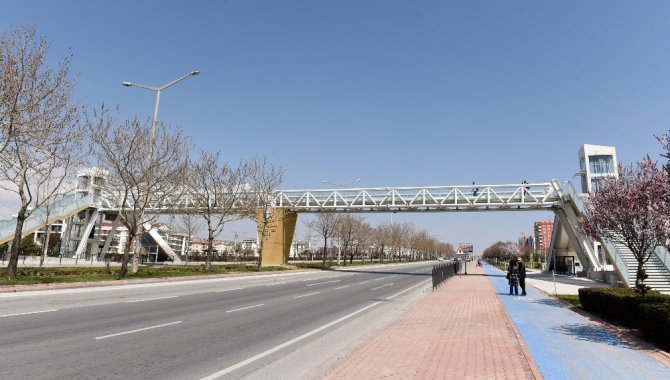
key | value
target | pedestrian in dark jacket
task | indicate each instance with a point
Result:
(522, 276)
(513, 277)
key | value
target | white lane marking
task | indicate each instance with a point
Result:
(364, 282)
(28, 313)
(380, 278)
(379, 287)
(277, 283)
(285, 344)
(152, 299)
(227, 290)
(301, 337)
(321, 283)
(244, 308)
(137, 330)
(307, 295)
(395, 275)
(342, 287)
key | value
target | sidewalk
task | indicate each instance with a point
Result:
(471, 328)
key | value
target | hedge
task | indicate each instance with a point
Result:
(655, 322)
(619, 305)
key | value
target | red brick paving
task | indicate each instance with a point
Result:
(460, 331)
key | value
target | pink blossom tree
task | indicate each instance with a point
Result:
(633, 210)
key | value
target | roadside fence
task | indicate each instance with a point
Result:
(442, 272)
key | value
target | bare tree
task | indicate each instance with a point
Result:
(348, 232)
(191, 223)
(364, 241)
(397, 235)
(50, 208)
(324, 225)
(380, 237)
(264, 179)
(135, 179)
(40, 133)
(217, 189)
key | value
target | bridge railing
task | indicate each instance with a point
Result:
(515, 196)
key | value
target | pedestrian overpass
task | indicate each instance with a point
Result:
(85, 211)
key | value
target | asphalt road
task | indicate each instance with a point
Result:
(283, 325)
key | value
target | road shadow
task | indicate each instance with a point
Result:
(548, 302)
(383, 273)
(589, 333)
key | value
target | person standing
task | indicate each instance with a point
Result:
(522, 276)
(513, 277)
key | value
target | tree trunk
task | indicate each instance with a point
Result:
(210, 247)
(137, 251)
(325, 252)
(16, 245)
(638, 279)
(47, 235)
(260, 253)
(126, 255)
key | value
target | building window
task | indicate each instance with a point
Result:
(601, 164)
(595, 184)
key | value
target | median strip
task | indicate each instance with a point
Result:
(307, 295)
(137, 330)
(152, 299)
(245, 308)
(28, 313)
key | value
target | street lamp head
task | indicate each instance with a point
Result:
(127, 84)
(195, 72)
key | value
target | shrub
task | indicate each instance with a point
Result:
(620, 305)
(655, 322)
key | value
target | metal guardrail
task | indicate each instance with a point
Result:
(442, 272)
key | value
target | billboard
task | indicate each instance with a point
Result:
(464, 248)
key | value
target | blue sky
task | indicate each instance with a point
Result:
(398, 93)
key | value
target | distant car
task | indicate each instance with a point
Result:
(440, 258)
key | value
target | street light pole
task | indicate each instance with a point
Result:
(340, 186)
(152, 141)
(158, 90)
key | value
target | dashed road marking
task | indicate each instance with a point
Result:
(306, 295)
(245, 308)
(137, 330)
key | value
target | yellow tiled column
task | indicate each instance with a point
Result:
(277, 243)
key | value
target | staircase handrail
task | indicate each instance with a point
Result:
(663, 256)
(612, 250)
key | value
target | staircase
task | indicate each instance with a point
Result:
(659, 277)
(163, 244)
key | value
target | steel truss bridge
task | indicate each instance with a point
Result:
(535, 196)
(84, 212)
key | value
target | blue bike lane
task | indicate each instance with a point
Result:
(566, 346)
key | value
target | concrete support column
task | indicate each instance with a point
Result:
(278, 240)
